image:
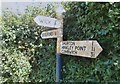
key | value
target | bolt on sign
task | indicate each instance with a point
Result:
(47, 22)
(51, 34)
(90, 48)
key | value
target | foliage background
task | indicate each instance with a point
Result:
(83, 21)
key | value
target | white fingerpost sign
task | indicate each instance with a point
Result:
(47, 21)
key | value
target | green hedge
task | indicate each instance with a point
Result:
(20, 32)
(83, 21)
(15, 66)
(93, 21)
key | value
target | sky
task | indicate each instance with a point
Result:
(19, 7)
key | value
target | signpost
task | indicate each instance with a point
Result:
(60, 16)
(88, 48)
(51, 34)
(47, 22)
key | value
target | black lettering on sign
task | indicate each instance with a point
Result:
(55, 22)
(84, 48)
(50, 34)
(74, 52)
(47, 34)
(72, 47)
(41, 20)
(69, 52)
(67, 47)
(44, 21)
(47, 21)
(64, 47)
(93, 51)
(69, 43)
(81, 48)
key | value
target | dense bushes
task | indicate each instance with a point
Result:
(93, 21)
(16, 67)
(21, 33)
(83, 21)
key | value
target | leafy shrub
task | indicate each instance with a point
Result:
(93, 21)
(23, 34)
(15, 66)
